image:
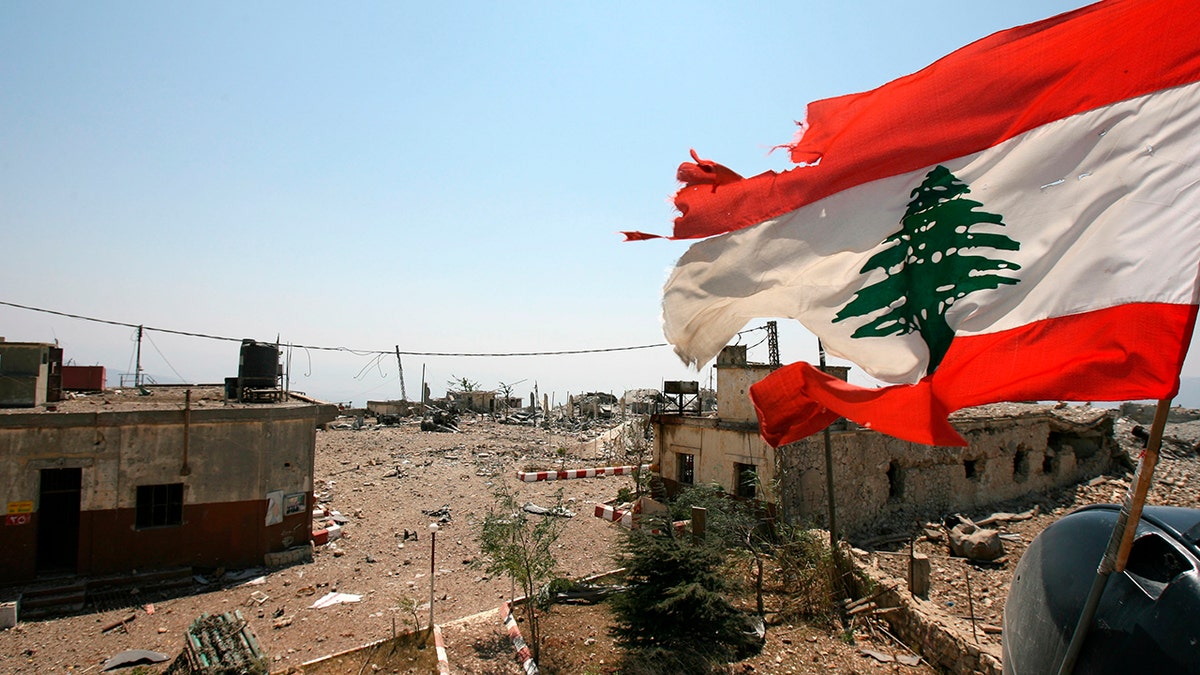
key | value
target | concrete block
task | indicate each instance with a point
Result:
(291, 556)
(919, 573)
(8, 614)
(335, 532)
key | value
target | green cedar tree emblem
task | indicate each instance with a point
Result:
(929, 266)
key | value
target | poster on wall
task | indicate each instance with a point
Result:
(293, 504)
(274, 507)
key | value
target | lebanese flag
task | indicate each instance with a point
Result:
(1018, 221)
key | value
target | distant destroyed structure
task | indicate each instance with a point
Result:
(578, 408)
(153, 477)
(1013, 449)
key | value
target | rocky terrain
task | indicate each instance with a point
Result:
(974, 593)
(390, 482)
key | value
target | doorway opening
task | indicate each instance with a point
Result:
(58, 520)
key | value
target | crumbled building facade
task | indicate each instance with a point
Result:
(1013, 449)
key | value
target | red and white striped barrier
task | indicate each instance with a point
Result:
(443, 659)
(615, 515)
(624, 518)
(534, 476)
(524, 656)
(678, 526)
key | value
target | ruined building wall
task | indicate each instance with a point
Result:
(877, 476)
(716, 449)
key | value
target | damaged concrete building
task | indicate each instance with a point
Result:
(1013, 450)
(152, 479)
(592, 405)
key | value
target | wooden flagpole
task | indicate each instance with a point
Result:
(1119, 545)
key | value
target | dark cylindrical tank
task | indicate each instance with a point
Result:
(1146, 619)
(258, 367)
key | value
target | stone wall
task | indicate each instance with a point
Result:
(928, 630)
(1012, 450)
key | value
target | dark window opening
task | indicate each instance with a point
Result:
(1020, 466)
(746, 476)
(895, 476)
(1083, 447)
(687, 468)
(971, 470)
(1049, 463)
(159, 505)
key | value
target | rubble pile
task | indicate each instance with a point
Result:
(222, 644)
(441, 420)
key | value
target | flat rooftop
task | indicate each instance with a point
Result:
(155, 397)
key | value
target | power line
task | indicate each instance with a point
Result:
(359, 352)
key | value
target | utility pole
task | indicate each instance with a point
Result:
(137, 369)
(833, 531)
(400, 364)
(773, 345)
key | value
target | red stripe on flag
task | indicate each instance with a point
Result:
(640, 236)
(1129, 352)
(983, 94)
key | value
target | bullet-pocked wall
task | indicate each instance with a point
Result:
(1021, 449)
(1013, 450)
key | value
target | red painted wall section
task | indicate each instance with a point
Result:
(231, 535)
(18, 550)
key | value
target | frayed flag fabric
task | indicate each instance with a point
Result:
(1018, 221)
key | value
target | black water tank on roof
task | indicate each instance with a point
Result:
(259, 365)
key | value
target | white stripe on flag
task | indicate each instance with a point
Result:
(1102, 204)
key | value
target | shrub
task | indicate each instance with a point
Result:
(676, 604)
(518, 546)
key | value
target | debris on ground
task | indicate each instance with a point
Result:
(442, 514)
(441, 420)
(559, 511)
(218, 644)
(133, 657)
(118, 624)
(333, 598)
(968, 540)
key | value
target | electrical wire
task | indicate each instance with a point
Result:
(164, 358)
(359, 352)
(373, 362)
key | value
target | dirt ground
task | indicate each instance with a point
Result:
(1176, 483)
(386, 480)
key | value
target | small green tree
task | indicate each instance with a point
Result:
(461, 384)
(632, 443)
(519, 546)
(505, 391)
(727, 519)
(675, 605)
(732, 524)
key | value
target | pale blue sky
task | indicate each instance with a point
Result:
(445, 177)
